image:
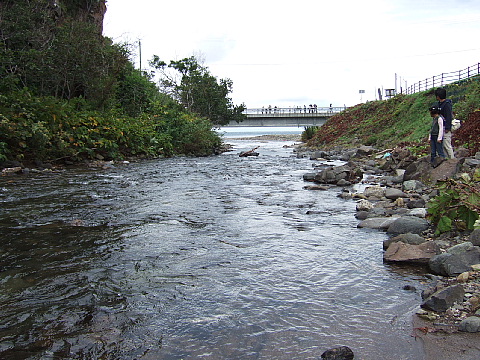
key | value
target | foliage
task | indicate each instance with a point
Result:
(47, 128)
(458, 204)
(67, 92)
(402, 119)
(466, 102)
(54, 54)
(135, 92)
(197, 90)
(309, 132)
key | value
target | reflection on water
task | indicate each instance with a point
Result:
(220, 258)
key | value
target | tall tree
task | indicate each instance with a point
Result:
(192, 85)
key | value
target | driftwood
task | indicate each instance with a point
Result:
(249, 152)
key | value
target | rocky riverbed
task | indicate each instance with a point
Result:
(392, 189)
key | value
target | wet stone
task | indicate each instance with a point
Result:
(470, 324)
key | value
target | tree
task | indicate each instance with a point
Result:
(49, 47)
(192, 85)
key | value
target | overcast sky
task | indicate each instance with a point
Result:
(284, 53)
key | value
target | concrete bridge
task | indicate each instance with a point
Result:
(291, 116)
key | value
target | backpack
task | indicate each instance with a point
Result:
(456, 124)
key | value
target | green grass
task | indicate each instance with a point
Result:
(403, 119)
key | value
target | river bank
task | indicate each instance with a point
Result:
(297, 266)
(394, 201)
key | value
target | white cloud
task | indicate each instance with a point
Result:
(286, 54)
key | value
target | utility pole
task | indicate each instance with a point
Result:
(140, 54)
(395, 83)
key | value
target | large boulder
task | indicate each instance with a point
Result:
(443, 299)
(455, 260)
(418, 170)
(399, 252)
(408, 224)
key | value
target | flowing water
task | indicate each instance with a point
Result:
(194, 258)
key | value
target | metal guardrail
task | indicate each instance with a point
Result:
(444, 79)
(293, 111)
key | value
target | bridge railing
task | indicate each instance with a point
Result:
(444, 79)
(293, 111)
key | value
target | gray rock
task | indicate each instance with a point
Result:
(364, 205)
(362, 215)
(378, 212)
(319, 155)
(470, 324)
(338, 353)
(316, 187)
(393, 194)
(309, 176)
(443, 299)
(412, 185)
(365, 150)
(472, 162)
(374, 191)
(461, 248)
(399, 252)
(418, 212)
(412, 239)
(416, 203)
(418, 169)
(475, 237)
(325, 177)
(456, 260)
(379, 223)
(343, 182)
(408, 224)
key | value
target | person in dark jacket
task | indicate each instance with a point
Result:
(436, 134)
(446, 109)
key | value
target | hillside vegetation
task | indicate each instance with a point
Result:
(403, 120)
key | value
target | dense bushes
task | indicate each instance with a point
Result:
(47, 128)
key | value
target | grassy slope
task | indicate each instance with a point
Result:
(403, 119)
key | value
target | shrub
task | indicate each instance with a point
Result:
(309, 132)
(458, 204)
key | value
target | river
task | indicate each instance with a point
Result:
(195, 258)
